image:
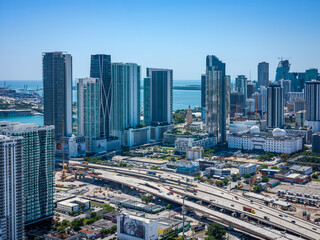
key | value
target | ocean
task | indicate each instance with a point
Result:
(181, 98)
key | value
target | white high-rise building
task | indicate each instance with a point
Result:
(37, 167)
(125, 98)
(11, 188)
(88, 109)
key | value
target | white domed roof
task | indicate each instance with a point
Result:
(277, 132)
(255, 129)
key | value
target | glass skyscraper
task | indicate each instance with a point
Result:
(101, 68)
(38, 168)
(263, 74)
(241, 85)
(203, 97)
(88, 109)
(158, 96)
(218, 97)
(57, 91)
(283, 70)
(275, 117)
(126, 98)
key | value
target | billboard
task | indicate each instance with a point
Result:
(132, 227)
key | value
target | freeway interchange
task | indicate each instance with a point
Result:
(214, 202)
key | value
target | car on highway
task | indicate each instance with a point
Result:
(280, 215)
(314, 228)
(232, 205)
(266, 218)
(293, 221)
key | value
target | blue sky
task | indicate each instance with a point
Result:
(172, 34)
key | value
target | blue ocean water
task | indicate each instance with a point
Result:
(181, 98)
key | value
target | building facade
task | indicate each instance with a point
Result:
(275, 106)
(182, 144)
(88, 109)
(263, 74)
(38, 168)
(203, 97)
(57, 91)
(248, 168)
(218, 97)
(316, 142)
(241, 85)
(312, 95)
(158, 96)
(125, 99)
(11, 188)
(101, 68)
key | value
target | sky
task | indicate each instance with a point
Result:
(175, 34)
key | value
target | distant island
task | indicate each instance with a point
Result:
(187, 87)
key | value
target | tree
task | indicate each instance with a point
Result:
(146, 198)
(77, 223)
(114, 228)
(265, 179)
(219, 183)
(257, 189)
(247, 176)
(264, 166)
(216, 231)
(105, 231)
(285, 156)
(225, 181)
(107, 208)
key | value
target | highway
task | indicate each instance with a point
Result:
(215, 196)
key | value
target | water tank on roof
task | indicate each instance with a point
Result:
(255, 130)
(277, 132)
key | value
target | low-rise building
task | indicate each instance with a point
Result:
(305, 132)
(74, 146)
(269, 172)
(137, 136)
(158, 131)
(278, 141)
(182, 144)
(73, 205)
(301, 169)
(191, 168)
(248, 168)
(194, 153)
(297, 178)
(62, 236)
(219, 172)
(100, 145)
(168, 226)
(199, 125)
(135, 228)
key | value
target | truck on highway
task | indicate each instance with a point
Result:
(248, 209)
(152, 172)
(192, 190)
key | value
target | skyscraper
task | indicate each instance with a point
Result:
(286, 85)
(218, 97)
(251, 89)
(275, 106)
(57, 91)
(311, 74)
(264, 100)
(283, 70)
(126, 98)
(312, 95)
(88, 109)
(241, 85)
(101, 68)
(263, 74)
(38, 168)
(237, 104)
(158, 96)
(203, 97)
(11, 188)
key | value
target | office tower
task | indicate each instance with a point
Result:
(264, 100)
(283, 70)
(275, 106)
(57, 91)
(88, 109)
(258, 103)
(299, 104)
(300, 118)
(286, 85)
(312, 95)
(251, 88)
(38, 168)
(297, 81)
(101, 68)
(237, 104)
(125, 99)
(316, 142)
(158, 96)
(241, 85)
(217, 101)
(11, 188)
(203, 97)
(311, 74)
(263, 74)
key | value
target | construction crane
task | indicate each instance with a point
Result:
(254, 178)
(63, 177)
(236, 107)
